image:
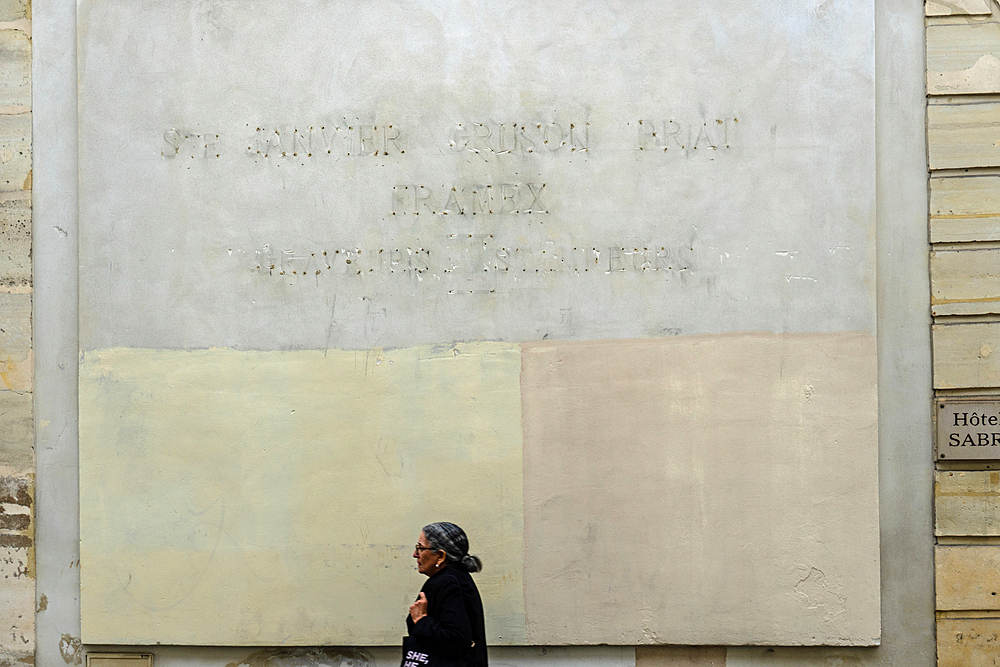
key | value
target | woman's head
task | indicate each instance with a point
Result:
(429, 559)
(452, 541)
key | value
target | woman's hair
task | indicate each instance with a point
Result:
(449, 538)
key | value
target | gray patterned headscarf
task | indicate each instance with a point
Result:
(451, 539)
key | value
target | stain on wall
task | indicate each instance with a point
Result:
(71, 649)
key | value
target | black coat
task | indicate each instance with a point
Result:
(454, 617)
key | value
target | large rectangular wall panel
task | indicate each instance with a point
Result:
(222, 481)
(753, 458)
(316, 237)
(375, 197)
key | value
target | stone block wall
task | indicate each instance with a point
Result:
(17, 459)
(963, 111)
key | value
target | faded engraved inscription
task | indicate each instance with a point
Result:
(354, 137)
(491, 143)
(520, 138)
(482, 199)
(182, 143)
(468, 254)
(682, 135)
(295, 141)
(342, 138)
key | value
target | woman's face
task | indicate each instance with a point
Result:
(429, 561)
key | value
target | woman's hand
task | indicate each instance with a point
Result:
(419, 608)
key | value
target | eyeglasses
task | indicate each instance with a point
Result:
(419, 548)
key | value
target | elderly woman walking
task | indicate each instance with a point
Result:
(446, 624)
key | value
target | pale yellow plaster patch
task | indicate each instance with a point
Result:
(266, 498)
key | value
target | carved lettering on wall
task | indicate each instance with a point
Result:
(498, 198)
(520, 138)
(471, 254)
(679, 134)
(183, 144)
(370, 138)
(340, 139)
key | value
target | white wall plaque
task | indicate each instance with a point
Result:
(968, 430)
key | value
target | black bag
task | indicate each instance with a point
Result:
(415, 655)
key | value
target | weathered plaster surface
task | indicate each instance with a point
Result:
(54, 259)
(183, 517)
(752, 458)
(387, 656)
(269, 498)
(699, 168)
